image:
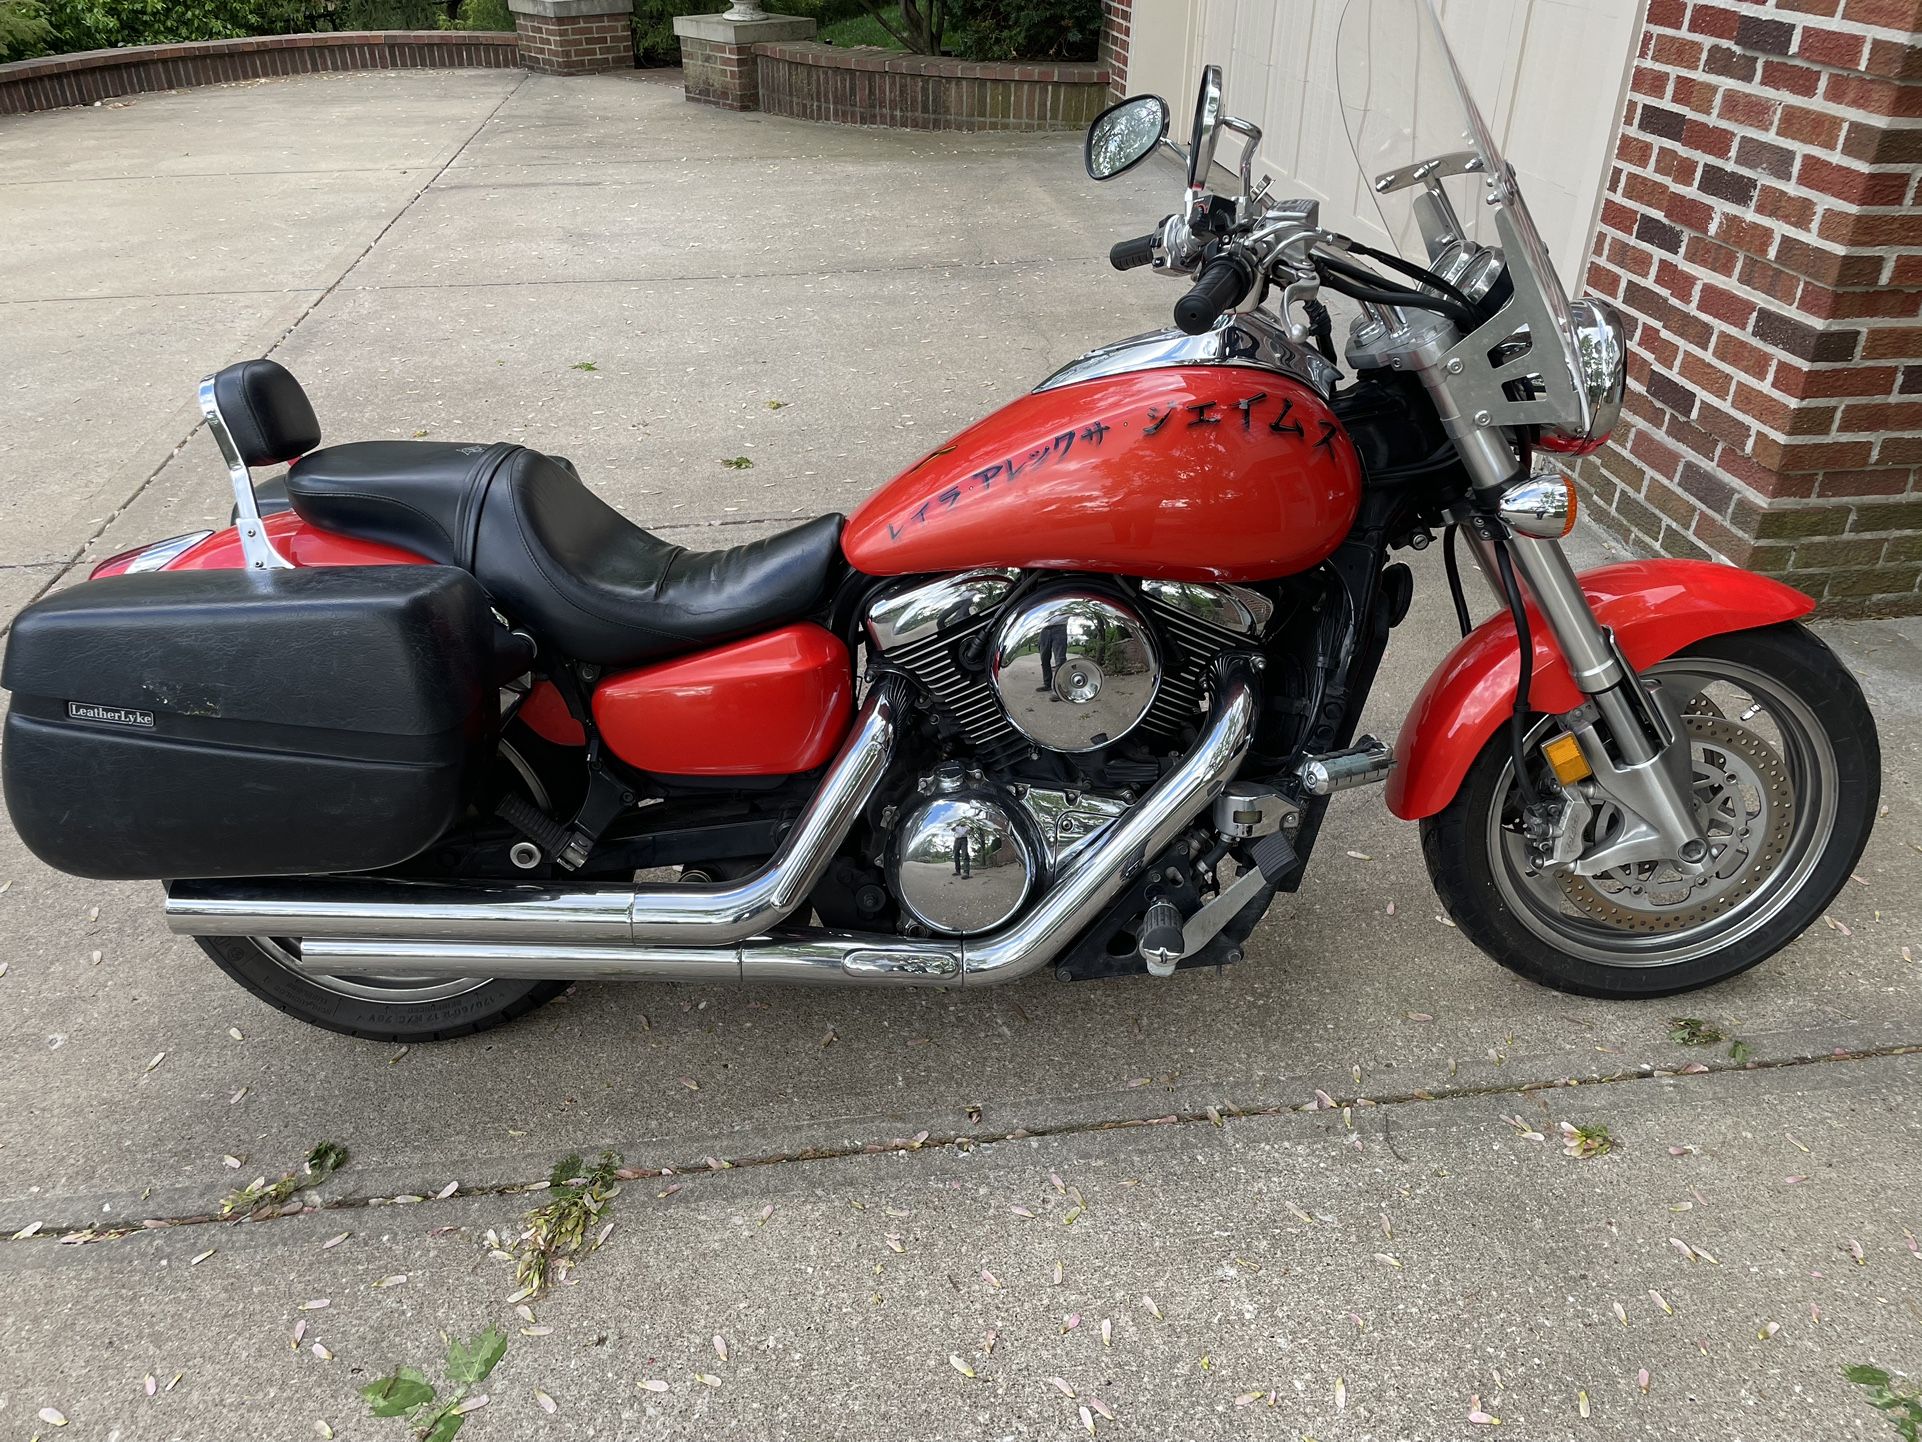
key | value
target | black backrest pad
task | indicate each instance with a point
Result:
(266, 411)
(381, 650)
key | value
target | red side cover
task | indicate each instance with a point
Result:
(770, 705)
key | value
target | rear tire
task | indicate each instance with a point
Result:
(1802, 803)
(353, 1006)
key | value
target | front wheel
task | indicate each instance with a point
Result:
(1787, 773)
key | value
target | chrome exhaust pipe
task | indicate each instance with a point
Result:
(713, 914)
(1015, 951)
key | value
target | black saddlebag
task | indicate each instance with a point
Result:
(233, 723)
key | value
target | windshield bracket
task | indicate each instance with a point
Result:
(1436, 168)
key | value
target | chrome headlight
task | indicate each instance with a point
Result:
(1601, 372)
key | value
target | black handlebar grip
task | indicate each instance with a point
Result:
(1127, 254)
(1223, 281)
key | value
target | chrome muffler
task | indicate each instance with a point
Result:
(711, 914)
(1024, 946)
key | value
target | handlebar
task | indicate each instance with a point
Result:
(1127, 254)
(1223, 281)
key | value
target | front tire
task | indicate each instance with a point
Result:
(1787, 775)
(374, 1008)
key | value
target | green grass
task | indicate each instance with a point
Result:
(861, 30)
(857, 30)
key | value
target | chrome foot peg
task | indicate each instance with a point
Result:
(1365, 763)
(1161, 944)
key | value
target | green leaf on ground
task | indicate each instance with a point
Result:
(470, 1362)
(398, 1393)
(326, 1157)
(1693, 1031)
(1903, 1404)
(738, 463)
(584, 366)
(444, 1428)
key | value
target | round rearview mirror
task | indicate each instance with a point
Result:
(1125, 134)
(1201, 143)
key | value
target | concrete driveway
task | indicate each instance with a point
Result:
(1320, 1194)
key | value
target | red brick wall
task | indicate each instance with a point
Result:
(576, 44)
(1761, 234)
(718, 74)
(870, 86)
(1117, 17)
(53, 81)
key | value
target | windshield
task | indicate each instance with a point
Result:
(1430, 163)
(1405, 105)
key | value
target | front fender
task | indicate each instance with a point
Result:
(1655, 608)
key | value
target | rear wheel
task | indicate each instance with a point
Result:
(377, 1008)
(1787, 772)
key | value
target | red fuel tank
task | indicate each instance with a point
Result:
(1184, 473)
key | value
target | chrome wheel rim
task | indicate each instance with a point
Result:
(396, 990)
(1766, 789)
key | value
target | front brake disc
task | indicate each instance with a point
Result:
(1746, 807)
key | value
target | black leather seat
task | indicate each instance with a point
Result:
(555, 558)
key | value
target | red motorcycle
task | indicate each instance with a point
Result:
(411, 742)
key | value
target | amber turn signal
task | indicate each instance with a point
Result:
(1565, 758)
(1541, 505)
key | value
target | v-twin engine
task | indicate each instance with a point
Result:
(1067, 667)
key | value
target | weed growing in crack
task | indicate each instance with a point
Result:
(557, 1231)
(406, 1392)
(325, 1159)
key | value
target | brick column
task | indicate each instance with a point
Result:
(574, 37)
(1117, 18)
(717, 55)
(1761, 235)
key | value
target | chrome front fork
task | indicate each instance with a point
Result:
(1630, 733)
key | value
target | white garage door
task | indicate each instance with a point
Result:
(1548, 74)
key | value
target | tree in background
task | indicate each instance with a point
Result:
(23, 28)
(1025, 29)
(917, 25)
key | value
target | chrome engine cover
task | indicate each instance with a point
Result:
(1075, 669)
(961, 864)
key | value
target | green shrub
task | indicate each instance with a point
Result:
(1025, 29)
(654, 39)
(656, 44)
(104, 24)
(484, 15)
(379, 15)
(24, 30)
